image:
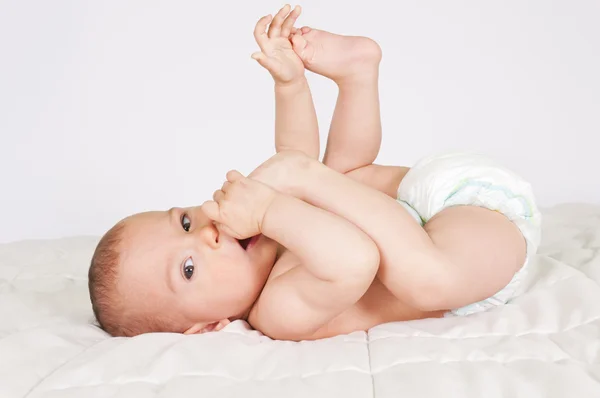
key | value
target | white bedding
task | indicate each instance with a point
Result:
(546, 343)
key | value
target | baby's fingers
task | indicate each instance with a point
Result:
(225, 186)
(213, 212)
(260, 31)
(289, 22)
(211, 209)
(228, 231)
(218, 196)
(275, 28)
(234, 175)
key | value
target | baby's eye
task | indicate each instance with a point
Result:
(186, 223)
(188, 268)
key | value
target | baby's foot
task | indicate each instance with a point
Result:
(334, 56)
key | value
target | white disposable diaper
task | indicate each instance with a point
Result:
(442, 181)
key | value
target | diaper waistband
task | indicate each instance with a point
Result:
(412, 212)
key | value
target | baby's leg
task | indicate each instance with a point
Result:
(482, 249)
(353, 64)
(482, 217)
(464, 254)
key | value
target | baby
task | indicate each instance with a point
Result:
(305, 250)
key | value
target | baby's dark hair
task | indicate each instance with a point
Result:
(108, 307)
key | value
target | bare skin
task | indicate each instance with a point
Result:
(318, 265)
(408, 285)
(378, 305)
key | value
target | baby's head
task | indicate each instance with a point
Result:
(174, 271)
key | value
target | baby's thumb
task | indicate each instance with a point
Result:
(260, 58)
(263, 60)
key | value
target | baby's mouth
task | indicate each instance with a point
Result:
(244, 242)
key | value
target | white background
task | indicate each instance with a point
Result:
(114, 107)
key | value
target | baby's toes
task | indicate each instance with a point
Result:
(305, 30)
(294, 32)
(298, 44)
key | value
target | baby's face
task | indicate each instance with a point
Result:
(179, 263)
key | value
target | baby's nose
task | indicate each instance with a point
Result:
(209, 235)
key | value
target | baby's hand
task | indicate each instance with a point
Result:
(240, 206)
(277, 54)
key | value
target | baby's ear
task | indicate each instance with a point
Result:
(202, 327)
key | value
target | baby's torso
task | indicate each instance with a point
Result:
(377, 305)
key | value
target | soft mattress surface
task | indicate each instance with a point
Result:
(546, 343)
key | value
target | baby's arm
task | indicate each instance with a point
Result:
(338, 263)
(463, 255)
(295, 119)
(296, 126)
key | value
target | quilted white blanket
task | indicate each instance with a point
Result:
(546, 343)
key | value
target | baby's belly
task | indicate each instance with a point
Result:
(376, 307)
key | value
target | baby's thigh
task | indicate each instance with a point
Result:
(382, 178)
(485, 248)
